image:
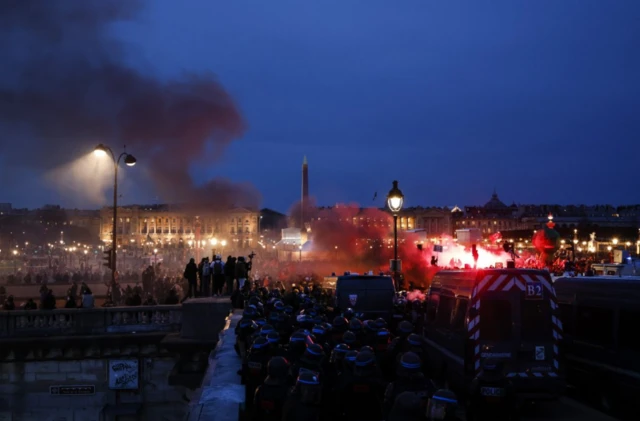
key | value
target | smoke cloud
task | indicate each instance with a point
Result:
(65, 87)
(351, 238)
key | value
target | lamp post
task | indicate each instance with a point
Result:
(155, 259)
(15, 266)
(129, 160)
(395, 200)
(223, 243)
(300, 256)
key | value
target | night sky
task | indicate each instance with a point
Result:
(537, 99)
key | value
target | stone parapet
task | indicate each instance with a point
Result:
(94, 321)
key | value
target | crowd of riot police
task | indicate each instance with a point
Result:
(303, 360)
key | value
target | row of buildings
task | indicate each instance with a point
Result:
(495, 216)
(172, 225)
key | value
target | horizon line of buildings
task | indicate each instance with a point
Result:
(172, 224)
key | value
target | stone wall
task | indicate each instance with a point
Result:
(25, 392)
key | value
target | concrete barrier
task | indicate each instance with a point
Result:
(221, 394)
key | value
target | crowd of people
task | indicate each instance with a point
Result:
(305, 360)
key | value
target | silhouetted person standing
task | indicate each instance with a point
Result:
(230, 274)
(191, 275)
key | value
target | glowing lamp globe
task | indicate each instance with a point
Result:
(100, 150)
(129, 160)
(395, 198)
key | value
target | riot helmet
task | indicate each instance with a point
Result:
(340, 324)
(338, 353)
(308, 388)
(365, 362)
(409, 365)
(405, 328)
(442, 406)
(278, 367)
(259, 345)
(355, 325)
(273, 337)
(313, 354)
(381, 323)
(349, 338)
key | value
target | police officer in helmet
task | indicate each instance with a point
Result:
(254, 370)
(359, 400)
(304, 401)
(409, 378)
(443, 406)
(271, 395)
(492, 395)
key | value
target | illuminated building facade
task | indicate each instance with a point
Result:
(434, 221)
(165, 225)
(494, 216)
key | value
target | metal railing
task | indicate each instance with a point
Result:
(94, 321)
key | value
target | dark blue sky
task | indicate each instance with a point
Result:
(537, 99)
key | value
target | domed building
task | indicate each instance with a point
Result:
(494, 216)
(495, 203)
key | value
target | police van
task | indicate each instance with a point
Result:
(509, 315)
(600, 316)
(368, 294)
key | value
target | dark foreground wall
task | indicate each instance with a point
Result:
(33, 390)
(133, 374)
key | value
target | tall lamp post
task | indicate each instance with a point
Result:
(395, 200)
(129, 160)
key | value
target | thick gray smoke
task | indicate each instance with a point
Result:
(64, 87)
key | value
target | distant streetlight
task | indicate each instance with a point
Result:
(395, 200)
(155, 259)
(615, 241)
(101, 151)
(300, 258)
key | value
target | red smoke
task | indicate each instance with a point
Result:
(357, 233)
(350, 238)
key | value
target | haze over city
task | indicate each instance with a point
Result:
(453, 99)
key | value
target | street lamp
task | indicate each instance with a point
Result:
(155, 259)
(214, 243)
(300, 257)
(102, 150)
(223, 243)
(395, 200)
(615, 241)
